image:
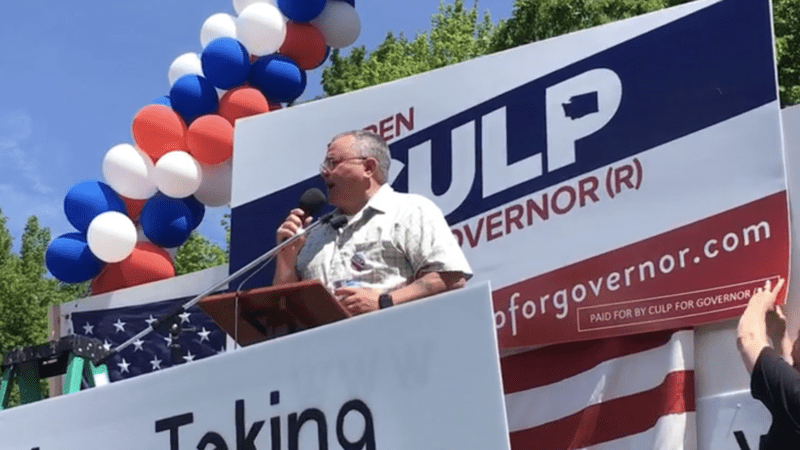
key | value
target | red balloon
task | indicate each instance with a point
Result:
(157, 130)
(147, 263)
(242, 102)
(133, 207)
(304, 44)
(210, 139)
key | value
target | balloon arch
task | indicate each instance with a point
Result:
(156, 189)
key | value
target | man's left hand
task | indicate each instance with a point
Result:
(358, 300)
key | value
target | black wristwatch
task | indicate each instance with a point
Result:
(385, 300)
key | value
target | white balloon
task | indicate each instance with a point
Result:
(217, 26)
(215, 190)
(178, 174)
(186, 64)
(111, 236)
(261, 28)
(129, 171)
(240, 5)
(339, 23)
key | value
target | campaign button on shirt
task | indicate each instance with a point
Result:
(358, 261)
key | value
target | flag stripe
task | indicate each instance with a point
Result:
(523, 371)
(612, 419)
(615, 378)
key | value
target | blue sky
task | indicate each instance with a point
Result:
(73, 75)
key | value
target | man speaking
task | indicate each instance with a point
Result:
(393, 247)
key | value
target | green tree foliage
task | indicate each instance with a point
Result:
(535, 20)
(198, 253)
(786, 14)
(25, 291)
(457, 34)
(226, 225)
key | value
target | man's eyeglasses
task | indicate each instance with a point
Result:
(329, 164)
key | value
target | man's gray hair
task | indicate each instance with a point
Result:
(371, 145)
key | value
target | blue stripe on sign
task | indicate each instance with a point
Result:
(678, 79)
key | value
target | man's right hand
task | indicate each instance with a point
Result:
(287, 257)
(296, 220)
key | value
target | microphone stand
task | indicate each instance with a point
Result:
(170, 316)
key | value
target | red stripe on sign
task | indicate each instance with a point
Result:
(525, 370)
(612, 419)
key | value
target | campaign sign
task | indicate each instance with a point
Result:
(385, 380)
(622, 179)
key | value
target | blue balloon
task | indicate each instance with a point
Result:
(87, 200)
(193, 96)
(69, 259)
(163, 100)
(278, 78)
(197, 209)
(226, 63)
(301, 10)
(166, 221)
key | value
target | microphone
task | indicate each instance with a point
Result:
(338, 222)
(312, 201)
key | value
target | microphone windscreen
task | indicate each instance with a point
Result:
(338, 222)
(312, 201)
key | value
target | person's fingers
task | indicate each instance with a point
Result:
(345, 291)
(285, 232)
(779, 285)
(294, 220)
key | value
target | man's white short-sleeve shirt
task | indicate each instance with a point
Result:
(393, 240)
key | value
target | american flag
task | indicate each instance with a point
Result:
(201, 338)
(633, 392)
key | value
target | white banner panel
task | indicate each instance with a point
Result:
(790, 118)
(733, 420)
(607, 182)
(419, 376)
(727, 414)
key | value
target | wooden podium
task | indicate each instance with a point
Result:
(270, 312)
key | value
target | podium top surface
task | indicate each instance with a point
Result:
(306, 304)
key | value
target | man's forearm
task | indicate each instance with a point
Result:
(752, 333)
(284, 272)
(429, 284)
